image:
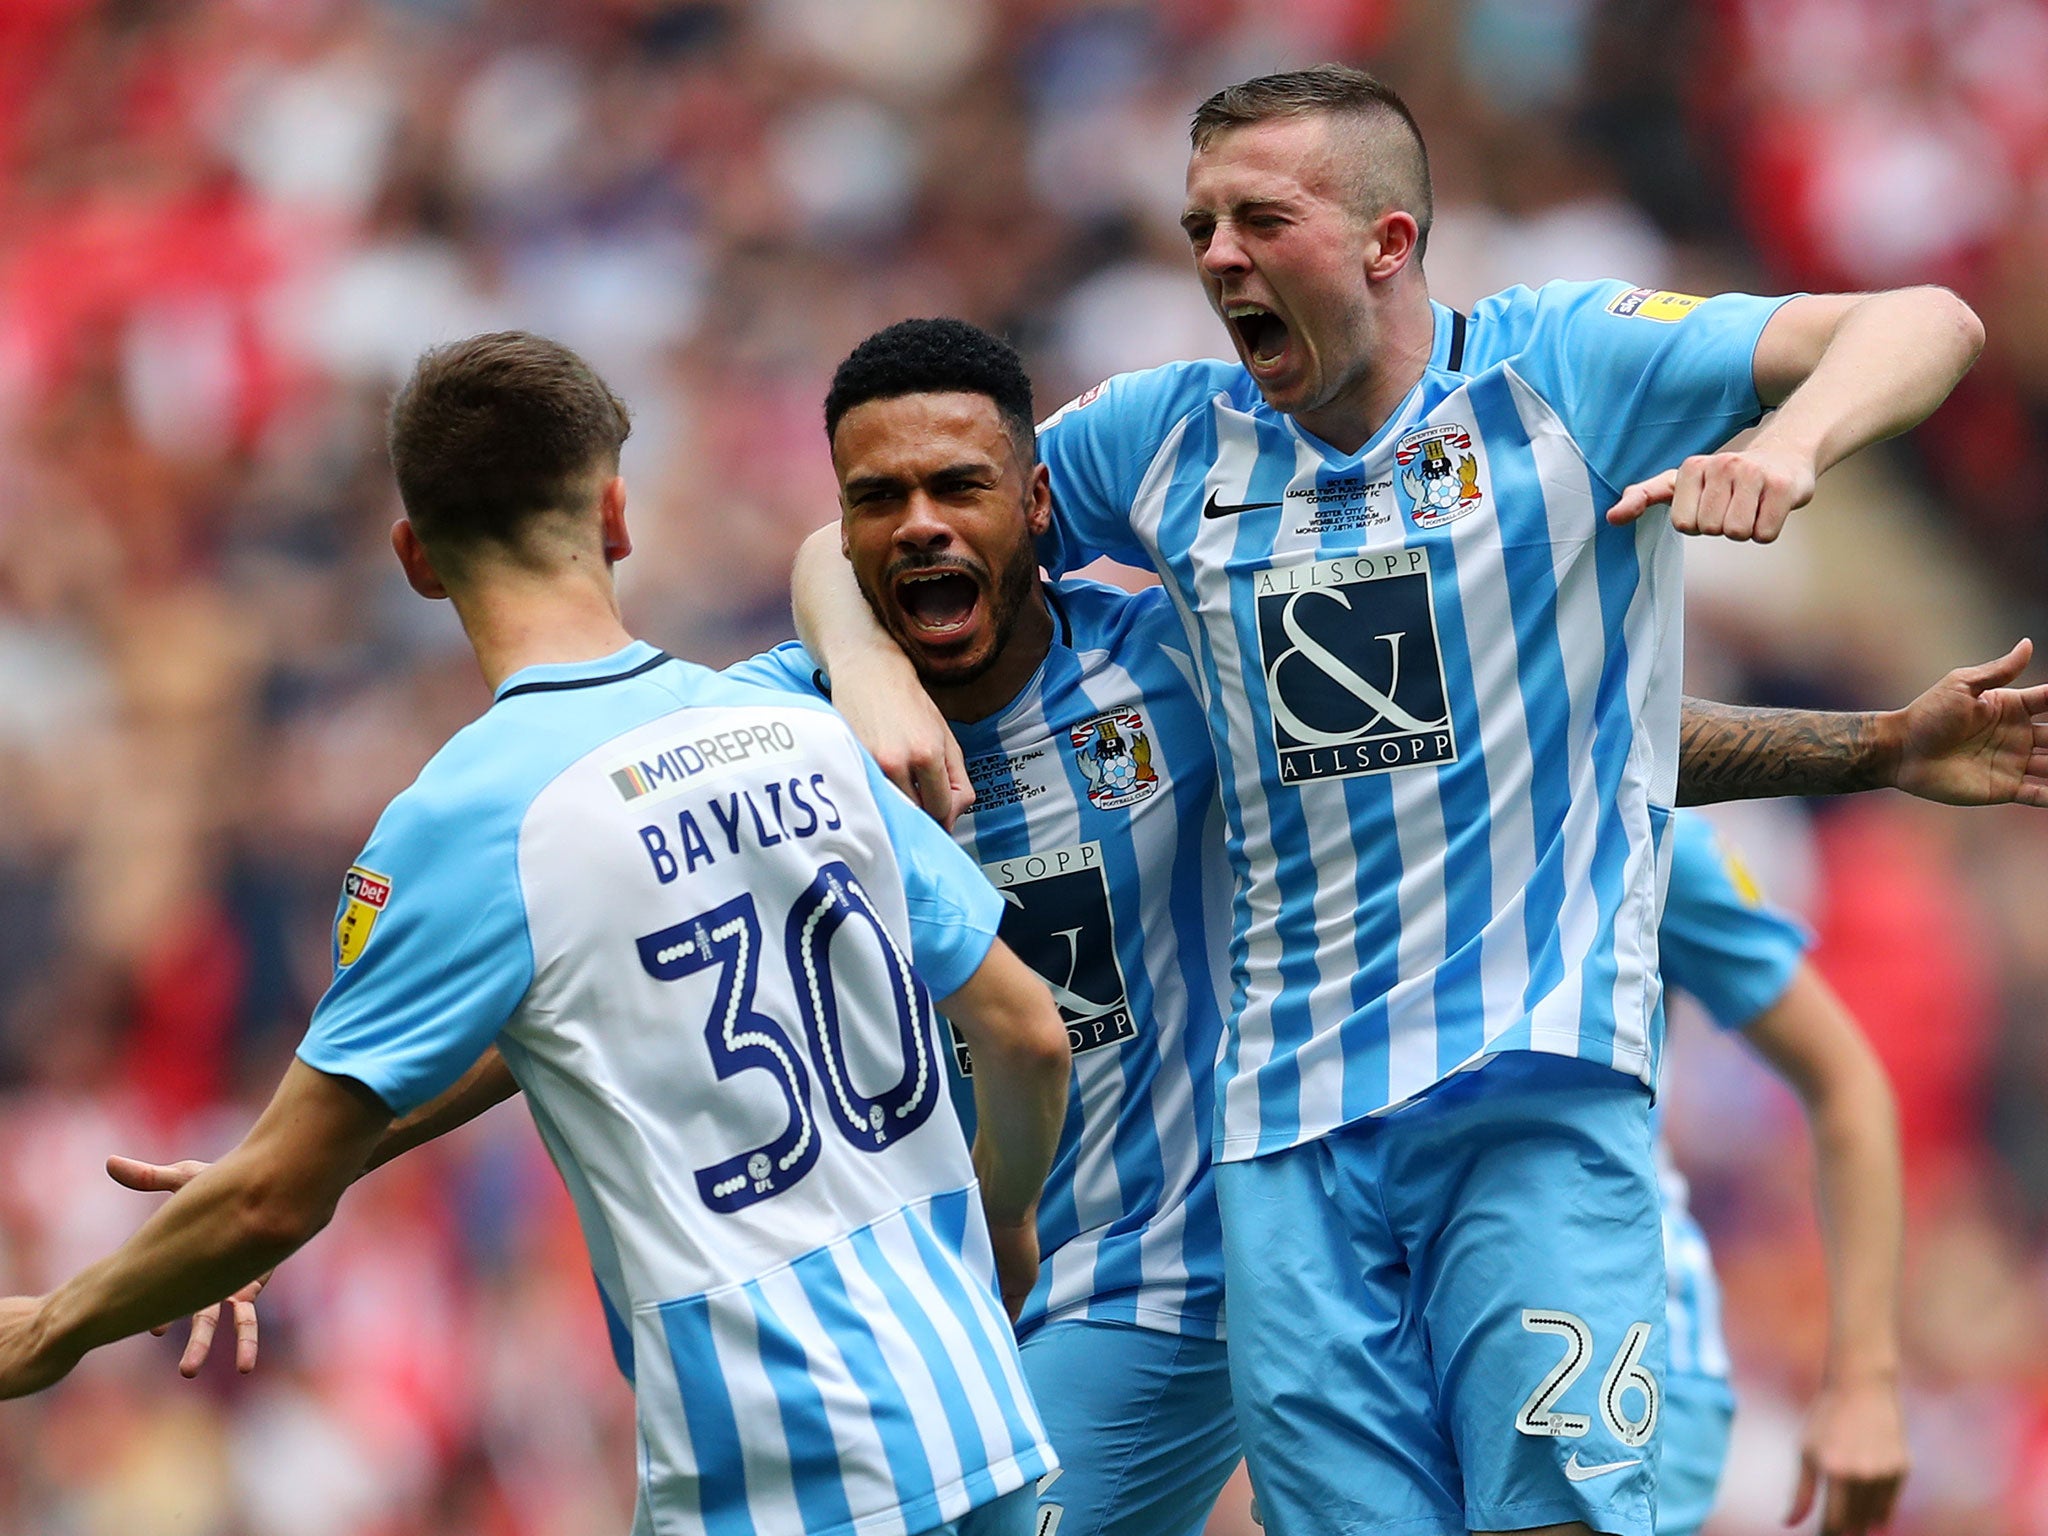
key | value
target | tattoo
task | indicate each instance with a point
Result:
(1733, 752)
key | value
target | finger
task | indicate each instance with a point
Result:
(1685, 496)
(1746, 493)
(245, 1336)
(956, 772)
(200, 1345)
(1714, 500)
(1869, 1503)
(1834, 1519)
(1884, 1498)
(1802, 1496)
(1642, 496)
(1774, 509)
(159, 1330)
(1996, 674)
(151, 1178)
(934, 789)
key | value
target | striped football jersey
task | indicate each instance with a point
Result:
(1442, 688)
(1735, 955)
(704, 932)
(1096, 818)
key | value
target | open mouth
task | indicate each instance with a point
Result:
(937, 603)
(1262, 333)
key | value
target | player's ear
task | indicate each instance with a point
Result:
(1038, 512)
(412, 557)
(611, 509)
(1396, 242)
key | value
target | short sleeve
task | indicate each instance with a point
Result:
(1645, 378)
(788, 668)
(1099, 447)
(954, 911)
(1720, 941)
(431, 953)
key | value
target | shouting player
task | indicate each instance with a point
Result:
(1443, 689)
(699, 928)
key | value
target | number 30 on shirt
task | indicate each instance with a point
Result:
(741, 1038)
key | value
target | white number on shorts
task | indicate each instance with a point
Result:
(1626, 1372)
(1537, 1416)
(1050, 1515)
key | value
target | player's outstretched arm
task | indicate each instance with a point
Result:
(1021, 1064)
(1843, 371)
(1853, 1453)
(874, 687)
(488, 1083)
(1968, 740)
(232, 1222)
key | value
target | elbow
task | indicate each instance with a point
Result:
(1045, 1052)
(274, 1219)
(1960, 324)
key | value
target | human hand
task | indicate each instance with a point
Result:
(1016, 1247)
(1743, 494)
(168, 1178)
(1971, 740)
(1852, 1458)
(29, 1361)
(896, 720)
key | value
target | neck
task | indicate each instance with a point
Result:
(518, 619)
(1020, 658)
(1400, 357)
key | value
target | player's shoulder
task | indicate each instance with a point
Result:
(1507, 324)
(1152, 396)
(1112, 619)
(787, 669)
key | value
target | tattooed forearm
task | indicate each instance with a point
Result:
(1732, 752)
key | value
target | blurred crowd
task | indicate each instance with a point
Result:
(227, 227)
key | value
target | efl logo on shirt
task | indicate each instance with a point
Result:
(1653, 304)
(363, 893)
(1056, 917)
(1354, 673)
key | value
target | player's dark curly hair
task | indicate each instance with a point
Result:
(932, 357)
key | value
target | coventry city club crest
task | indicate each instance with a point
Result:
(1440, 476)
(1115, 754)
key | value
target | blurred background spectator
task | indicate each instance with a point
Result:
(226, 228)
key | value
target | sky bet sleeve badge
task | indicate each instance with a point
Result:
(1115, 755)
(363, 894)
(1653, 304)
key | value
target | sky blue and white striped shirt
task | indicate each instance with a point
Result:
(701, 927)
(1736, 955)
(1443, 690)
(1096, 818)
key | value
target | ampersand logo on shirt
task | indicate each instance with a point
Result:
(1354, 672)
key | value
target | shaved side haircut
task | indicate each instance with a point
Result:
(1389, 165)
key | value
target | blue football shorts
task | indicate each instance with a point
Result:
(1143, 1425)
(1451, 1318)
(1011, 1515)
(1698, 1413)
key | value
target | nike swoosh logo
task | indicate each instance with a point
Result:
(1578, 1471)
(1214, 508)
